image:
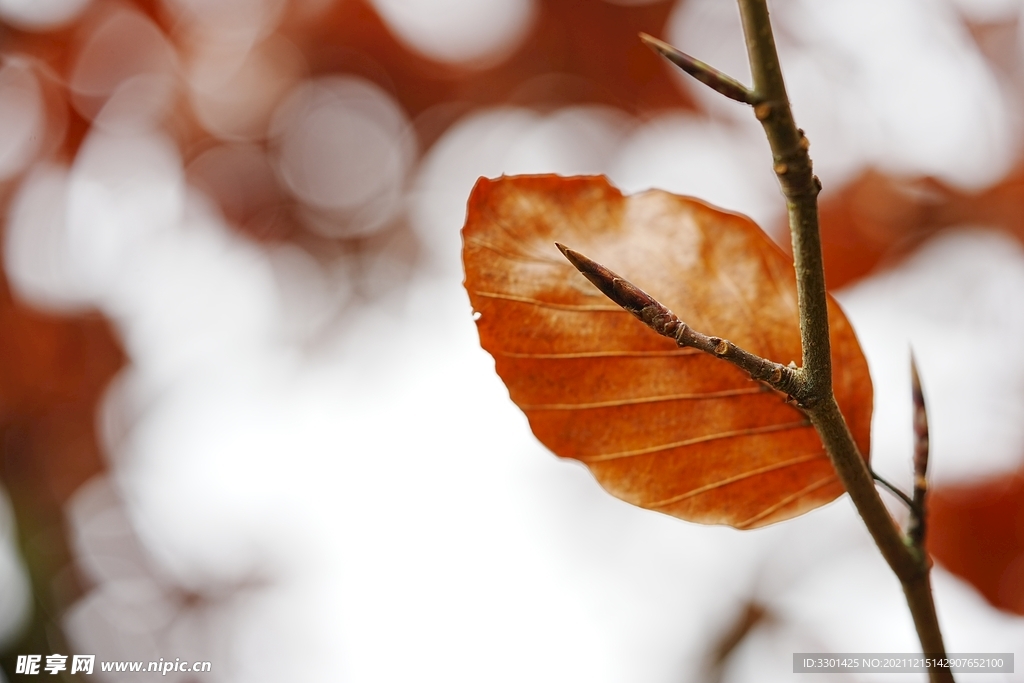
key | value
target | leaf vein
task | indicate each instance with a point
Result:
(514, 256)
(750, 431)
(550, 304)
(603, 354)
(786, 501)
(728, 393)
(733, 479)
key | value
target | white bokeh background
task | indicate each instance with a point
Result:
(347, 487)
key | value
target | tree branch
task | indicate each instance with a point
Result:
(801, 187)
(792, 166)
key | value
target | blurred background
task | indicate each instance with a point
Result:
(244, 417)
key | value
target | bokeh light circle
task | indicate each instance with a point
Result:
(227, 20)
(124, 46)
(234, 88)
(40, 15)
(344, 147)
(475, 34)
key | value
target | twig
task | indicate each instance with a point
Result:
(708, 75)
(813, 381)
(663, 321)
(893, 490)
(916, 527)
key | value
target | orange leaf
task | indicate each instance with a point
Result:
(668, 429)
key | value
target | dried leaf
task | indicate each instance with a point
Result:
(661, 427)
(975, 532)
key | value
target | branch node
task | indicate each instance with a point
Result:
(657, 317)
(763, 110)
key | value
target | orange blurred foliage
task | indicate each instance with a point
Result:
(53, 371)
(977, 532)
